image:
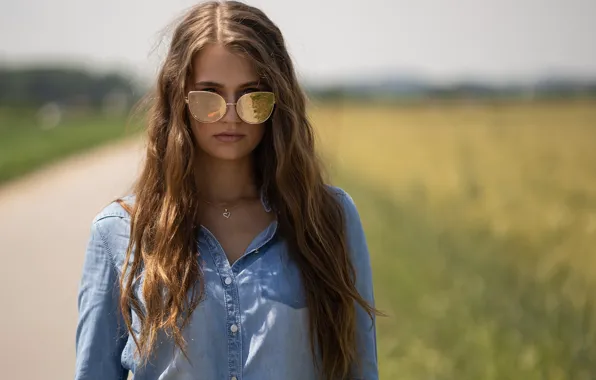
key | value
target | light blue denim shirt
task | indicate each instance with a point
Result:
(252, 324)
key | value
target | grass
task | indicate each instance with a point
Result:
(481, 221)
(26, 146)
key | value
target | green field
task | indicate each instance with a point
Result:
(26, 145)
(481, 221)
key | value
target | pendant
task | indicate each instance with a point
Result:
(226, 214)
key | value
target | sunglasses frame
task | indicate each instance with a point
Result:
(230, 104)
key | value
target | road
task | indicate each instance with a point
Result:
(44, 227)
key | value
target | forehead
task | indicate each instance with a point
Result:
(216, 63)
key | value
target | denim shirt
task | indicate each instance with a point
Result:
(251, 325)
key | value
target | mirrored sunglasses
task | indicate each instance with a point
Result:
(252, 108)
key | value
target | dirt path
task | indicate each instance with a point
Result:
(44, 226)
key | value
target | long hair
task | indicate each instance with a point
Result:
(163, 217)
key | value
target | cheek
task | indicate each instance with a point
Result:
(201, 131)
(255, 133)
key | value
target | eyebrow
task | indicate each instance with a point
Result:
(219, 85)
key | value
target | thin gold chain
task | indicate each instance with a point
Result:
(226, 212)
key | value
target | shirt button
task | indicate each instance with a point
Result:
(233, 378)
(228, 280)
(234, 328)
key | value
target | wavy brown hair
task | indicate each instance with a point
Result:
(164, 213)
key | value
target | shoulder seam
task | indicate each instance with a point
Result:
(114, 209)
(336, 190)
(113, 214)
(105, 243)
(342, 193)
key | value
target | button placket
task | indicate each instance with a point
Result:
(231, 302)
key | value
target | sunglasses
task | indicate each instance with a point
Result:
(252, 108)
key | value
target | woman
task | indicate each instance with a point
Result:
(232, 259)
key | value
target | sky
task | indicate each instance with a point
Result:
(329, 40)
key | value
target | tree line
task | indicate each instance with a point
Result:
(36, 86)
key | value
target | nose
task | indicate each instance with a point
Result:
(231, 116)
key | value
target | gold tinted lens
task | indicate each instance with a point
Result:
(255, 107)
(206, 107)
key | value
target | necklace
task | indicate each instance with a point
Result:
(226, 212)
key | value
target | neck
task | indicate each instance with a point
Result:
(226, 181)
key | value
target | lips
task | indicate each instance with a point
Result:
(229, 137)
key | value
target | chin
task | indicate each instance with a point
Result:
(229, 154)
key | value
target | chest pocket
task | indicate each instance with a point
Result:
(277, 278)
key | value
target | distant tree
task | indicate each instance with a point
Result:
(67, 86)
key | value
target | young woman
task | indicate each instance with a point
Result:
(231, 259)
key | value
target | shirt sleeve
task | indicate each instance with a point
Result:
(101, 333)
(365, 327)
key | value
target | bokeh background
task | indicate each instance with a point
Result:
(464, 130)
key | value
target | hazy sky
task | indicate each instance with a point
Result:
(329, 39)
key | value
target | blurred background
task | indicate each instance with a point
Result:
(464, 130)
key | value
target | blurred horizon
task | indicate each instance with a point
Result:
(371, 77)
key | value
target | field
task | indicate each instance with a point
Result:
(480, 218)
(481, 221)
(29, 142)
